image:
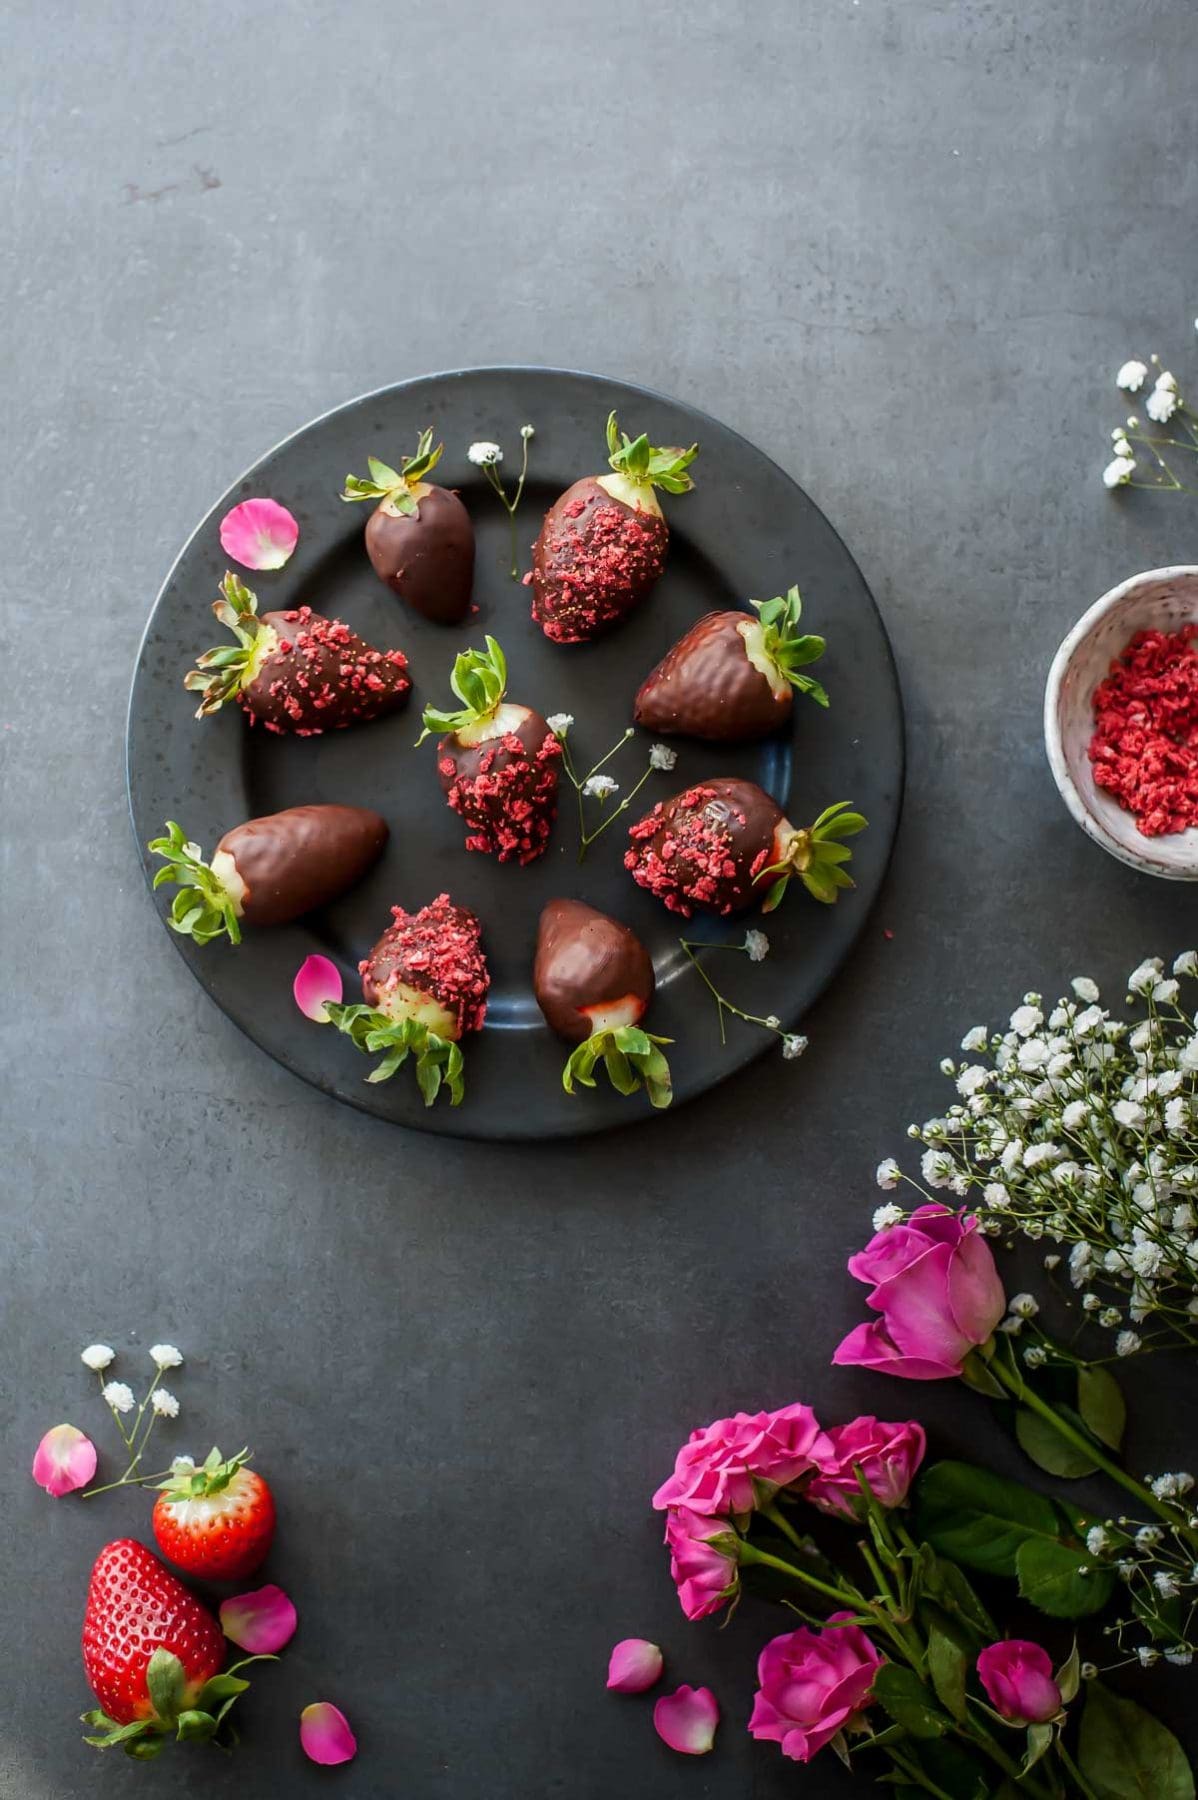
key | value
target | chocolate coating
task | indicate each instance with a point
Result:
(294, 861)
(505, 789)
(584, 958)
(708, 847)
(593, 561)
(706, 687)
(436, 952)
(322, 677)
(426, 557)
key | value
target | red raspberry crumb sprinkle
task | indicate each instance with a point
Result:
(1145, 744)
(593, 564)
(437, 951)
(506, 792)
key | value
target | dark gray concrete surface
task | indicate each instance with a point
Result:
(901, 244)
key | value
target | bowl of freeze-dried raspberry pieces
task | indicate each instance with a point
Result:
(1121, 722)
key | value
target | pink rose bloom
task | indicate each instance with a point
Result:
(1017, 1677)
(935, 1284)
(812, 1684)
(704, 1576)
(888, 1456)
(715, 1470)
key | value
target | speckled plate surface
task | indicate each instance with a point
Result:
(746, 530)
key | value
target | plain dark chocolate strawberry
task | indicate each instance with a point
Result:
(269, 870)
(593, 980)
(721, 845)
(604, 541)
(498, 762)
(295, 671)
(419, 538)
(425, 986)
(732, 677)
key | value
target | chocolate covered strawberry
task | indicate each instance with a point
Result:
(723, 844)
(419, 537)
(152, 1655)
(268, 871)
(215, 1521)
(731, 677)
(593, 980)
(425, 987)
(295, 671)
(497, 762)
(604, 541)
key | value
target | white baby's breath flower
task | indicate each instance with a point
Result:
(886, 1216)
(1109, 1317)
(1026, 1019)
(560, 723)
(1037, 1155)
(1147, 1655)
(1129, 1113)
(527, 431)
(1035, 1356)
(975, 1039)
(484, 453)
(972, 1080)
(182, 1465)
(98, 1356)
(1166, 991)
(599, 786)
(1131, 376)
(1024, 1306)
(1119, 471)
(1163, 401)
(118, 1395)
(888, 1174)
(1085, 989)
(1096, 1540)
(165, 1356)
(995, 1196)
(1180, 1656)
(773, 1022)
(1075, 1115)
(937, 1168)
(1186, 963)
(757, 946)
(793, 1045)
(662, 757)
(164, 1403)
(1145, 978)
(1127, 1343)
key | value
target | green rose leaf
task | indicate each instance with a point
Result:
(902, 1695)
(1050, 1576)
(948, 1666)
(1101, 1404)
(1048, 1449)
(980, 1519)
(1126, 1754)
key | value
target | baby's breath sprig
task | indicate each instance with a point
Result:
(156, 1403)
(487, 457)
(1177, 430)
(755, 946)
(595, 785)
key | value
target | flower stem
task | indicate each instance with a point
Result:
(1074, 1771)
(750, 1553)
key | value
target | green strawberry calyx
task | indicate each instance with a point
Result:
(199, 1720)
(203, 908)
(632, 1059)
(221, 673)
(785, 646)
(212, 1476)
(649, 465)
(817, 856)
(479, 680)
(438, 1060)
(395, 486)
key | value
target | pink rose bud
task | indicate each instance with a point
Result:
(635, 1664)
(259, 534)
(1017, 1676)
(887, 1455)
(64, 1460)
(722, 1468)
(935, 1284)
(686, 1720)
(325, 1734)
(705, 1575)
(813, 1684)
(316, 983)
(260, 1622)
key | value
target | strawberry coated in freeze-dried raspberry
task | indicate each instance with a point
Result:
(595, 558)
(436, 951)
(322, 676)
(505, 789)
(710, 847)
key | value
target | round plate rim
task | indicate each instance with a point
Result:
(588, 1125)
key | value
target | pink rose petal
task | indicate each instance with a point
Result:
(64, 1460)
(686, 1720)
(259, 534)
(317, 982)
(635, 1664)
(261, 1621)
(325, 1734)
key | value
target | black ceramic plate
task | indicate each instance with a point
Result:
(746, 530)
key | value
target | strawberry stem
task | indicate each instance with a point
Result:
(438, 1060)
(649, 464)
(632, 1059)
(479, 679)
(395, 485)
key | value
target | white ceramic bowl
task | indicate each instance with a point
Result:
(1161, 599)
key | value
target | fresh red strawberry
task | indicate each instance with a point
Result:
(295, 671)
(497, 762)
(732, 677)
(593, 980)
(419, 538)
(603, 543)
(269, 870)
(425, 984)
(217, 1520)
(152, 1655)
(723, 844)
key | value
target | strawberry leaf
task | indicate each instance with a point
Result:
(195, 1727)
(439, 1061)
(651, 464)
(203, 908)
(632, 1059)
(479, 680)
(221, 673)
(166, 1683)
(789, 649)
(395, 485)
